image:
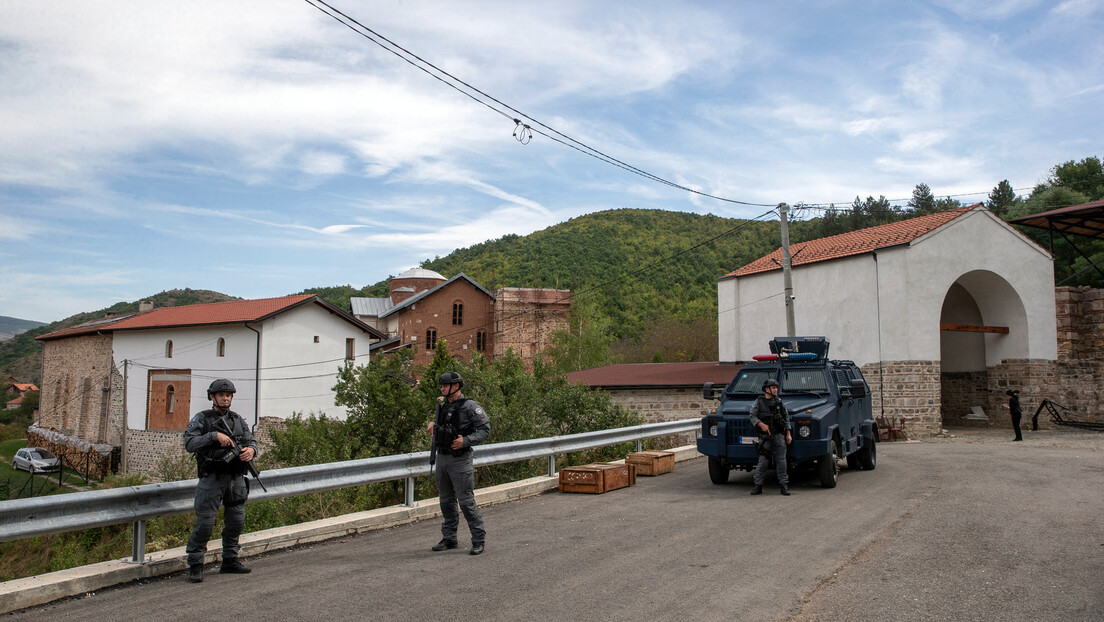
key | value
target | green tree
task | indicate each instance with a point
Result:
(586, 342)
(384, 415)
(1085, 177)
(922, 201)
(1001, 199)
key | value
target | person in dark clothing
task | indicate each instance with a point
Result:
(770, 417)
(223, 445)
(1013, 407)
(460, 424)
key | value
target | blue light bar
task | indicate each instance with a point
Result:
(801, 356)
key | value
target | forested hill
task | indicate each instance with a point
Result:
(21, 356)
(634, 265)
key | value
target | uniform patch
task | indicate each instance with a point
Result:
(479, 411)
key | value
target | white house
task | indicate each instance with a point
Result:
(282, 354)
(934, 309)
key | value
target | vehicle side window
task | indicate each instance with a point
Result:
(749, 381)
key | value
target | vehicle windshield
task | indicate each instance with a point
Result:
(750, 381)
(804, 381)
(43, 454)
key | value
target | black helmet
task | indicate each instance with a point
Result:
(451, 377)
(222, 385)
(770, 382)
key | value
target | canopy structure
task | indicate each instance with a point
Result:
(1086, 220)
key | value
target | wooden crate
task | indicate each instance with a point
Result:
(652, 462)
(597, 478)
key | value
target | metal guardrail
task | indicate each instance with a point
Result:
(25, 518)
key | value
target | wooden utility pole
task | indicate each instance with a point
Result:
(787, 279)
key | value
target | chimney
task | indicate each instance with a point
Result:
(145, 306)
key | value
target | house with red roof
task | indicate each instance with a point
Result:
(134, 381)
(15, 391)
(940, 311)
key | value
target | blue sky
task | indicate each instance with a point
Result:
(260, 148)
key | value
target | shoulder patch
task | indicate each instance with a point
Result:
(479, 411)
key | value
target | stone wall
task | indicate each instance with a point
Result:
(76, 386)
(656, 405)
(907, 392)
(525, 319)
(146, 447)
(959, 392)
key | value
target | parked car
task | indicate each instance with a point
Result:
(36, 460)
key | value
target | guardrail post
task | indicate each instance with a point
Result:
(138, 544)
(552, 466)
(410, 492)
(639, 445)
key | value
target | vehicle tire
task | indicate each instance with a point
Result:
(853, 461)
(828, 467)
(868, 455)
(718, 473)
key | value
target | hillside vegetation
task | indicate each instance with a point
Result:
(21, 356)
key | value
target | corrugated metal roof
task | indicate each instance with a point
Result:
(655, 375)
(854, 242)
(370, 307)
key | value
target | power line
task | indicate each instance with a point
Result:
(524, 127)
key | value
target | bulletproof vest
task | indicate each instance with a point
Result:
(215, 459)
(770, 412)
(450, 428)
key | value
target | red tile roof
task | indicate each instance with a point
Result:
(28, 386)
(232, 312)
(655, 375)
(853, 243)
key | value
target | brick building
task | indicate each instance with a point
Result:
(423, 307)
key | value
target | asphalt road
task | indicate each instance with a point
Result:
(973, 528)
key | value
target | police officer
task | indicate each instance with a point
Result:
(769, 416)
(1013, 408)
(222, 444)
(459, 425)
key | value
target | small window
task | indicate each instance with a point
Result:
(350, 349)
(170, 398)
(168, 349)
(457, 314)
(431, 338)
(220, 350)
(481, 340)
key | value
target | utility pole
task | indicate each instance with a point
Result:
(787, 278)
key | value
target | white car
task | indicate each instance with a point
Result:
(36, 460)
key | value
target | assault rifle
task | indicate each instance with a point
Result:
(234, 452)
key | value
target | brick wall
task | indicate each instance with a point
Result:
(526, 318)
(435, 312)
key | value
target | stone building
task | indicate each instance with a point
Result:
(942, 312)
(423, 307)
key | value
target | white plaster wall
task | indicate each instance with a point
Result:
(194, 349)
(888, 309)
(298, 374)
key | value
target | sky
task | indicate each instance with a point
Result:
(258, 148)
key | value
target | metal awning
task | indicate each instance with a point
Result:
(1086, 220)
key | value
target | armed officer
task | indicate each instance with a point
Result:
(223, 445)
(769, 416)
(459, 425)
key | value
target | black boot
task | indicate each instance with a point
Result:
(445, 544)
(785, 490)
(195, 573)
(233, 566)
(757, 490)
(477, 548)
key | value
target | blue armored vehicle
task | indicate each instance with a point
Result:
(828, 402)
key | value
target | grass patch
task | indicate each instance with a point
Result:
(9, 447)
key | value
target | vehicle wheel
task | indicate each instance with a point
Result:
(868, 455)
(828, 467)
(718, 473)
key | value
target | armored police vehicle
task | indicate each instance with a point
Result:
(828, 402)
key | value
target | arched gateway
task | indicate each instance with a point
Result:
(942, 312)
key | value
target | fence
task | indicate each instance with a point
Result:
(25, 518)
